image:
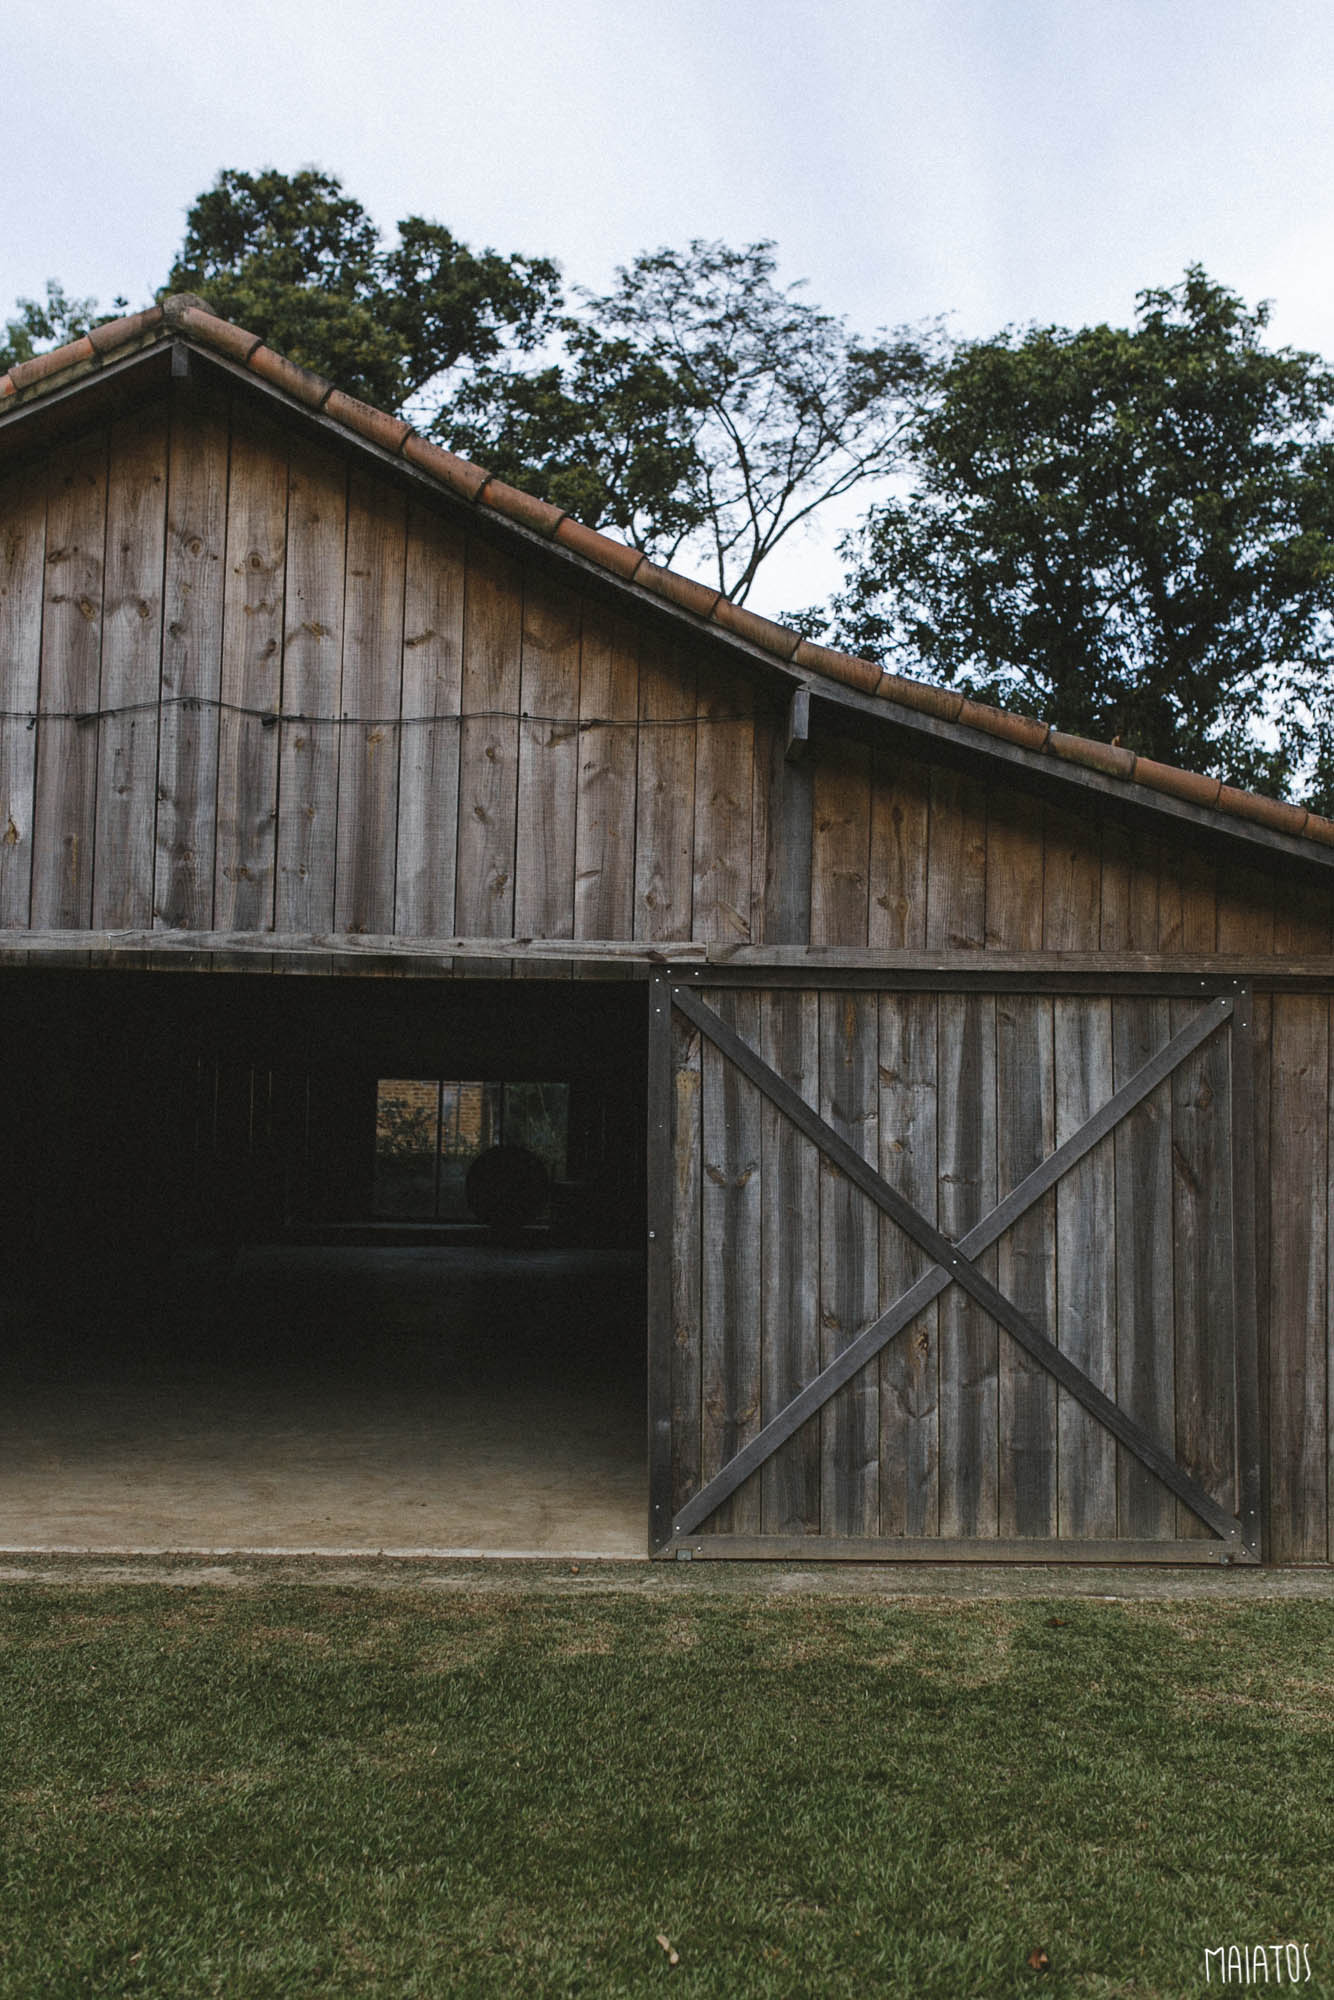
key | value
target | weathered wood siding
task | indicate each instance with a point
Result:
(954, 1430)
(469, 748)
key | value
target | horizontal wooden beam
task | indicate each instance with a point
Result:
(275, 950)
(977, 1549)
(812, 959)
(699, 963)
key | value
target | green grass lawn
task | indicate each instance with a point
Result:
(324, 1792)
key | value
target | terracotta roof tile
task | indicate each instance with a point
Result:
(526, 508)
(233, 341)
(26, 374)
(374, 425)
(748, 625)
(944, 703)
(1265, 812)
(1188, 785)
(679, 590)
(303, 383)
(861, 674)
(1109, 758)
(191, 316)
(120, 332)
(459, 474)
(618, 557)
(1025, 730)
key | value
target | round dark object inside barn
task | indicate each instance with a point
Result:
(506, 1187)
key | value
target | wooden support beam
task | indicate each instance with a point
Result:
(798, 724)
(923, 1549)
(704, 963)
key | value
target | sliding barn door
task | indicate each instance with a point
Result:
(952, 1273)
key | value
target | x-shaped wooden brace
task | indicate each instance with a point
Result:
(954, 1264)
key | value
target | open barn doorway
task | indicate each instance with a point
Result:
(321, 1263)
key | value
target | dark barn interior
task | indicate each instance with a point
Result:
(247, 1302)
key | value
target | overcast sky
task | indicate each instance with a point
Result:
(998, 160)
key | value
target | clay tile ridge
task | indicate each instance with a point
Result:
(186, 313)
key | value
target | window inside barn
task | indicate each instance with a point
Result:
(429, 1131)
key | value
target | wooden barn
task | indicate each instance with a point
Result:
(933, 1109)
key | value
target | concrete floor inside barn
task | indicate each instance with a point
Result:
(349, 1399)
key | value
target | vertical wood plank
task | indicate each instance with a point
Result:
(1301, 916)
(252, 661)
(1086, 1267)
(1202, 1223)
(372, 687)
(312, 689)
(841, 844)
(909, 1365)
(730, 1226)
(489, 745)
(1187, 900)
(1199, 901)
(723, 780)
(191, 659)
(1026, 1264)
(956, 889)
(66, 786)
(1014, 872)
(665, 790)
(22, 566)
(687, 1177)
(1243, 1191)
(966, 1167)
(131, 656)
(1145, 1281)
(849, 1264)
(1329, 1282)
(1072, 882)
(1299, 1278)
(900, 817)
(604, 868)
(428, 758)
(548, 763)
(761, 799)
(790, 1273)
(1245, 910)
(1129, 900)
(1262, 1022)
(788, 788)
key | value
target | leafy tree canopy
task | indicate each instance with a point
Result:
(1128, 532)
(698, 401)
(298, 260)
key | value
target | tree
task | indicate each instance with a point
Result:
(295, 258)
(696, 404)
(607, 433)
(760, 408)
(1128, 532)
